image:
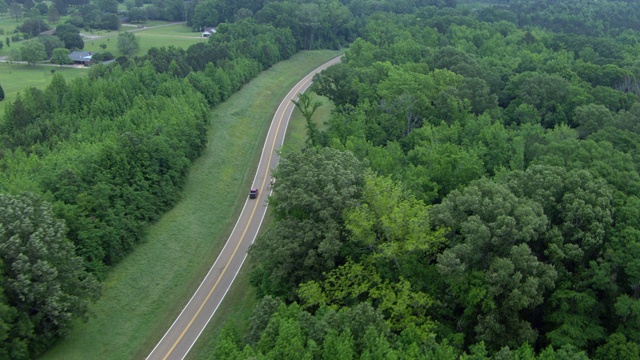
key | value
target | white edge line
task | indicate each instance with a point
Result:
(289, 111)
(286, 103)
(199, 286)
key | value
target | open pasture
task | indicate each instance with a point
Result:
(16, 77)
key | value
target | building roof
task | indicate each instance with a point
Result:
(81, 56)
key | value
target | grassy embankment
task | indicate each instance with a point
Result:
(143, 294)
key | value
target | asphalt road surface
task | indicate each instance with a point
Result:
(186, 329)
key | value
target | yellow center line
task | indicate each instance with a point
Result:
(255, 206)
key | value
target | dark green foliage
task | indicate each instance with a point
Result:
(45, 285)
(523, 141)
(308, 238)
(526, 143)
(51, 43)
(314, 25)
(580, 17)
(33, 26)
(1, 93)
(70, 35)
(112, 150)
(127, 175)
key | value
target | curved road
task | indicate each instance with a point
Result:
(184, 332)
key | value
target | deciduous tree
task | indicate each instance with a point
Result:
(128, 44)
(315, 187)
(61, 56)
(43, 278)
(33, 52)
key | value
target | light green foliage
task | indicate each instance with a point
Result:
(128, 43)
(343, 286)
(61, 56)
(33, 52)
(338, 346)
(391, 222)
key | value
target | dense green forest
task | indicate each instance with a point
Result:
(473, 195)
(88, 164)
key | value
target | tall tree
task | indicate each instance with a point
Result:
(53, 16)
(43, 278)
(61, 56)
(492, 273)
(308, 109)
(33, 52)
(70, 34)
(128, 44)
(315, 187)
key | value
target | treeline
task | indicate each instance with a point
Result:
(474, 196)
(91, 163)
(593, 18)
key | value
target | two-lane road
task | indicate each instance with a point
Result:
(186, 329)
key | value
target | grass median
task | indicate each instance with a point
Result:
(143, 294)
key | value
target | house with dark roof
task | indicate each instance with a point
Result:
(81, 57)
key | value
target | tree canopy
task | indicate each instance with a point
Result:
(497, 214)
(473, 195)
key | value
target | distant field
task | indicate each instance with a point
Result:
(16, 77)
(8, 24)
(178, 35)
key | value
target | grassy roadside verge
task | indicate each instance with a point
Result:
(144, 293)
(239, 302)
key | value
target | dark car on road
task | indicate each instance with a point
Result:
(253, 193)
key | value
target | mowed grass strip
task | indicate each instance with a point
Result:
(143, 294)
(239, 302)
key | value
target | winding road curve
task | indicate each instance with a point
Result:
(186, 329)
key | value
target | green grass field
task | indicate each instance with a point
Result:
(17, 77)
(178, 35)
(143, 294)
